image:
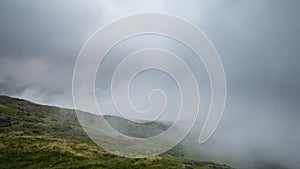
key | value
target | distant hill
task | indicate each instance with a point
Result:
(39, 136)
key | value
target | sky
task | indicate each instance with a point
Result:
(258, 43)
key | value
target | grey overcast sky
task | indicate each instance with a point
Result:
(258, 42)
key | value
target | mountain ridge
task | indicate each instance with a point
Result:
(43, 136)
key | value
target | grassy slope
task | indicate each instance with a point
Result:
(37, 136)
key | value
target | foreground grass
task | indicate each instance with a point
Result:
(47, 152)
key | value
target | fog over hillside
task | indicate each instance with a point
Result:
(258, 43)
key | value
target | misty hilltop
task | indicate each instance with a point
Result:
(39, 136)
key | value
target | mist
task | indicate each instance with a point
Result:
(258, 42)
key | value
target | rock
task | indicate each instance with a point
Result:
(17, 133)
(187, 166)
(4, 118)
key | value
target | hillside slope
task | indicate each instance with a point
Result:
(38, 136)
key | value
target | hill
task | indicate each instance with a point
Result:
(39, 136)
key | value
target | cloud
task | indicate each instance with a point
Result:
(258, 42)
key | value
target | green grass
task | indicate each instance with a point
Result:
(38, 136)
